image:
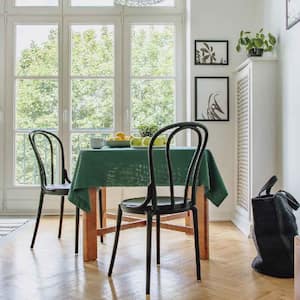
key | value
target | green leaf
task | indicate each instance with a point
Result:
(258, 43)
(243, 42)
(238, 47)
(261, 30)
(241, 33)
(272, 39)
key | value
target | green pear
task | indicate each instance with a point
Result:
(146, 141)
(136, 142)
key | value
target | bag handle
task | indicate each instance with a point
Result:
(269, 184)
(293, 203)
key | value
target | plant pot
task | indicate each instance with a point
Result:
(255, 52)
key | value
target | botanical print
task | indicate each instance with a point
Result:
(211, 52)
(212, 99)
(293, 12)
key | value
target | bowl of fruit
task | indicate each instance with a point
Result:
(119, 140)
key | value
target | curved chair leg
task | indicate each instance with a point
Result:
(62, 203)
(148, 262)
(38, 216)
(158, 239)
(113, 256)
(196, 239)
(77, 229)
(100, 214)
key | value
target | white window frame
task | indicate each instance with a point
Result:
(90, 10)
(179, 75)
(33, 10)
(10, 107)
(117, 10)
(2, 97)
(117, 97)
(23, 196)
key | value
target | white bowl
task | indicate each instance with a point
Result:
(97, 143)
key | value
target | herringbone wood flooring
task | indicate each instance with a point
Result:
(52, 271)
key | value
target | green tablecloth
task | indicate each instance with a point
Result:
(110, 167)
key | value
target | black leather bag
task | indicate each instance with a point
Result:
(274, 230)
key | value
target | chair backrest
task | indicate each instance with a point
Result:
(52, 143)
(193, 168)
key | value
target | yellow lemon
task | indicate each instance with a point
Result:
(120, 135)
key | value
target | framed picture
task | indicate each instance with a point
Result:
(212, 98)
(292, 13)
(209, 52)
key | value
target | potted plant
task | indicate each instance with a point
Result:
(147, 129)
(256, 44)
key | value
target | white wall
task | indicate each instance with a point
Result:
(220, 20)
(289, 58)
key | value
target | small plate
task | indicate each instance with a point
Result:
(118, 144)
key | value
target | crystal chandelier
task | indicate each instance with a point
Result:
(136, 2)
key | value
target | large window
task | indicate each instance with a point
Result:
(92, 83)
(36, 91)
(80, 75)
(153, 82)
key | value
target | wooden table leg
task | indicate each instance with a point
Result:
(103, 199)
(202, 206)
(90, 229)
(297, 268)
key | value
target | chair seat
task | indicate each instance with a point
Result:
(58, 189)
(163, 204)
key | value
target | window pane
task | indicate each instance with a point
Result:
(36, 2)
(27, 171)
(153, 50)
(92, 103)
(82, 141)
(92, 2)
(93, 50)
(36, 50)
(152, 102)
(36, 104)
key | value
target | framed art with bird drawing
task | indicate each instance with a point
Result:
(212, 98)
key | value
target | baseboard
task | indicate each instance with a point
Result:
(241, 223)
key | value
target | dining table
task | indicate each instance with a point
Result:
(97, 169)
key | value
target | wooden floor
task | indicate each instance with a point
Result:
(52, 271)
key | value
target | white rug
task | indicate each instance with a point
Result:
(8, 225)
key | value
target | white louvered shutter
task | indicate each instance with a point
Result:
(243, 135)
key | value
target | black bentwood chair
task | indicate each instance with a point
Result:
(36, 138)
(153, 205)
